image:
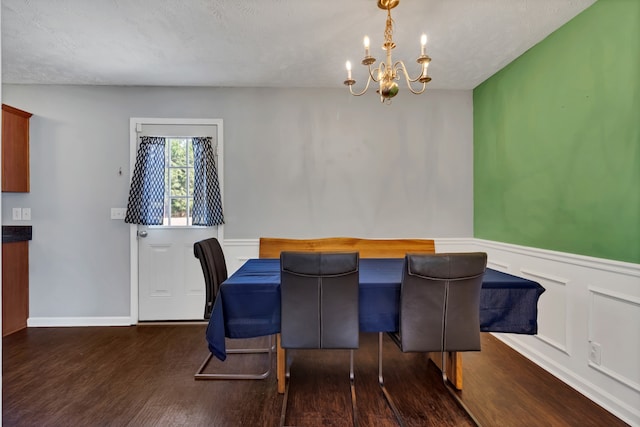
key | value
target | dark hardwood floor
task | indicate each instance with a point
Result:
(143, 376)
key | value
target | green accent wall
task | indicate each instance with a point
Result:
(557, 140)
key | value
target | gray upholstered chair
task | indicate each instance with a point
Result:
(214, 269)
(439, 309)
(319, 307)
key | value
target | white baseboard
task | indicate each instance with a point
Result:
(55, 322)
(601, 396)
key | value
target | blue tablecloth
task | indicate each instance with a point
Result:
(248, 303)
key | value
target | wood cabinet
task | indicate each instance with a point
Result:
(15, 286)
(15, 149)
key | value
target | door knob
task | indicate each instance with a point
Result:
(142, 233)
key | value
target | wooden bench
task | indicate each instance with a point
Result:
(270, 247)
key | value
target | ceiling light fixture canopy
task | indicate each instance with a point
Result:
(388, 72)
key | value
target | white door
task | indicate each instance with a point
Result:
(169, 284)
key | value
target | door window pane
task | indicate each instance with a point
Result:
(178, 152)
(179, 182)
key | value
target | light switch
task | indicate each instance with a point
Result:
(118, 213)
(17, 214)
(26, 214)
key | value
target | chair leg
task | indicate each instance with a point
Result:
(285, 399)
(200, 375)
(453, 392)
(354, 412)
(446, 381)
(385, 393)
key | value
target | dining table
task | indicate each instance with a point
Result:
(248, 302)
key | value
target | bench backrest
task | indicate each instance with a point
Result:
(270, 247)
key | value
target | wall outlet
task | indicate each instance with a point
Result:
(118, 213)
(595, 352)
(26, 214)
(17, 214)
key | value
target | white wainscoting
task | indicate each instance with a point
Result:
(588, 322)
(238, 251)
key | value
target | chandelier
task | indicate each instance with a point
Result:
(388, 72)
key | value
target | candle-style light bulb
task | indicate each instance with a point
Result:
(423, 43)
(366, 46)
(348, 65)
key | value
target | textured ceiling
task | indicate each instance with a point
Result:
(269, 43)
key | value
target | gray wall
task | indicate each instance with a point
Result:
(298, 163)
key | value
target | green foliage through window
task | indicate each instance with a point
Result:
(179, 182)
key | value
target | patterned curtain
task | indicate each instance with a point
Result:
(146, 194)
(207, 203)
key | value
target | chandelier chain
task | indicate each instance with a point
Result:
(388, 30)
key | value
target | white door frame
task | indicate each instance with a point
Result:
(135, 124)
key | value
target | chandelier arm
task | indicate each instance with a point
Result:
(363, 90)
(409, 81)
(379, 70)
(417, 92)
(400, 66)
